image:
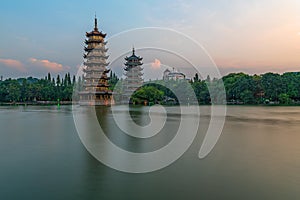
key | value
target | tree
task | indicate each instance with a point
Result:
(24, 89)
(247, 97)
(240, 87)
(272, 85)
(74, 80)
(284, 99)
(148, 93)
(58, 82)
(65, 82)
(196, 77)
(69, 79)
(49, 77)
(113, 80)
(14, 91)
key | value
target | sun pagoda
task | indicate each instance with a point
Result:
(95, 80)
(134, 75)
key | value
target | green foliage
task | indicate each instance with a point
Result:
(165, 92)
(148, 93)
(32, 89)
(284, 98)
(113, 79)
(272, 85)
(240, 88)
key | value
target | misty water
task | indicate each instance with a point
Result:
(256, 157)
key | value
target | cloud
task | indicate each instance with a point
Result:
(51, 66)
(13, 64)
(156, 64)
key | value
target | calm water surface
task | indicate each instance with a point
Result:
(257, 157)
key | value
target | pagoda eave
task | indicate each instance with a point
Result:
(88, 49)
(133, 58)
(133, 63)
(97, 64)
(92, 41)
(95, 33)
(93, 70)
(94, 56)
(128, 69)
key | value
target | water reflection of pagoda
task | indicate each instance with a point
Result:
(133, 73)
(95, 86)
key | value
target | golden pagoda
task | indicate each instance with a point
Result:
(95, 80)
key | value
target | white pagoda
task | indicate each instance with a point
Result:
(134, 76)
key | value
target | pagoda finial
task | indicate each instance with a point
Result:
(96, 25)
(133, 50)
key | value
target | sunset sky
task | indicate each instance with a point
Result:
(250, 36)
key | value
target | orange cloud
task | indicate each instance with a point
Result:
(156, 64)
(13, 64)
(52, 66)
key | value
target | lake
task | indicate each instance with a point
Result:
(256, 157)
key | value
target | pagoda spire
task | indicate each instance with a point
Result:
(133, 50)
(96, 24)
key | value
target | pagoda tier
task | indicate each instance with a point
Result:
(91, 69)
(95, 76)
(93, 62)
(95, 47)
(134, 75)
(91, 79)
(95, 56)
(133, 58)
(95, 86)
(133, 64)
(92, 40)
(132, 78)
(135, 79)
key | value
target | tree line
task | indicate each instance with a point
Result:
(44, 89)
(33, 89)
(240, 88)
(263, 89)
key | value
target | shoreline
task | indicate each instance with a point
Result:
(51, 103)
(37, 103)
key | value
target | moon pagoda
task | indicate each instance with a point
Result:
(134, 75)
(95, 80)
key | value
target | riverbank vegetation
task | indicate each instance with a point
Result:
(241, 88)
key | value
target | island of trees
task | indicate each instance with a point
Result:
(241, 88)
